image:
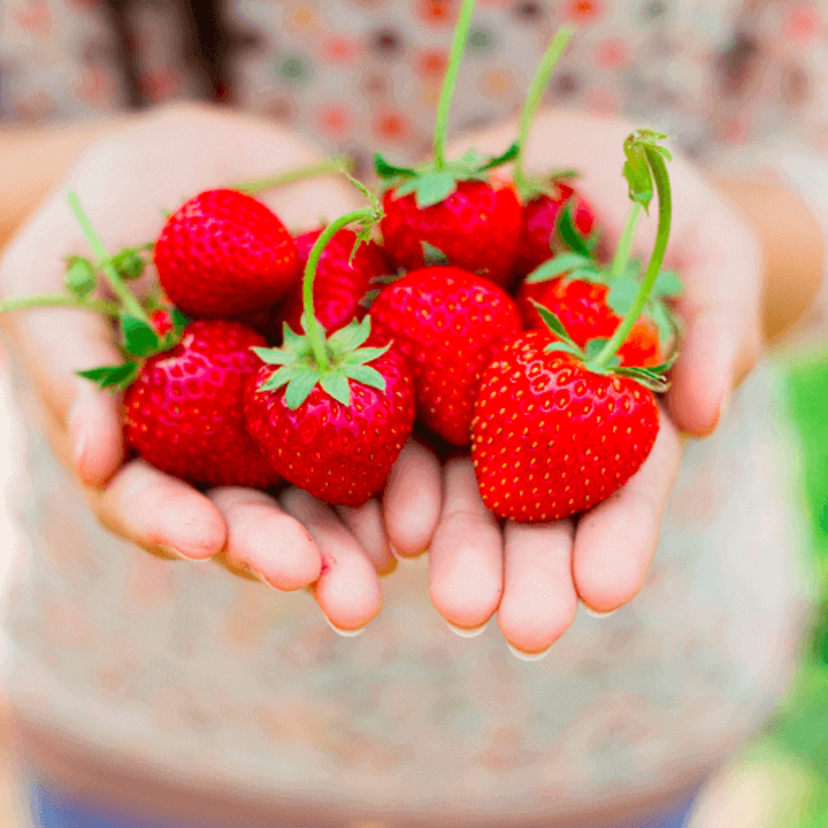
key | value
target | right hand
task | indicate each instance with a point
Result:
(125, 181)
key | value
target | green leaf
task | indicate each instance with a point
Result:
(300, 387)
(594, 347)
(668, 283)
(556, 266)
(568, 233)
(587, 274)
(336, 385)
(350, 337)
(504, 158)
(622, 293)
(179, 321)
(385, 170)
(281, 377)
(274, 356)
(80, 279)
(554, 324)
(433, 256)
(654, 382)
(364, 355)
(565, 347)
(116, 377)
(432, 188)
(292, 341)
(366, 375)
(139, 338)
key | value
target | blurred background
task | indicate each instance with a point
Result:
(780, 779)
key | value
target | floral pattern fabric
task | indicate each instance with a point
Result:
(187, 667)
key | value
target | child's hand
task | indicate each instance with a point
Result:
(534, 575)
(125, 182)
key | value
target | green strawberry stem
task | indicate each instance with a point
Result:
(665, 212)
(312, 327)
(130, 304)
(622, 253)
(533, 98)
(57, 301)
(458, 46)
(328, 166)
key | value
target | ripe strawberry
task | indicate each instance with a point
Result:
(550, 438)
(224, 253)
(338, 443)
(541, 213)
(582, 308)
(183, 410)
(477, 228)
(449, 324)
(340, 286)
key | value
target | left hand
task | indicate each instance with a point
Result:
(533, 576)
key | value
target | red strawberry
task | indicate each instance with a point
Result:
(539, 223)
(477, 228)
(183, 411)
(449, 324)
(582, 308)
(340, 450)
(550, 438)
(340, 286)
(224, 253)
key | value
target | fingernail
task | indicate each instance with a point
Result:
(466, 632)
(528, 656)
(344, 633)
(404, 559)
(596, 613)
(261, 577)
(179, 554)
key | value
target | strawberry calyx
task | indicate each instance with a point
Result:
(433, 183)
(651, 377)
(314, 358)
(301, 372)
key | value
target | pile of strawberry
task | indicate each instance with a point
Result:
(465, 301)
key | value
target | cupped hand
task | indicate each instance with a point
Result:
(126, 181)
(533, 576)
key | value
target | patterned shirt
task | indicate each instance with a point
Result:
(210, 677)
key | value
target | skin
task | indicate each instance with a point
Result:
(531, 577)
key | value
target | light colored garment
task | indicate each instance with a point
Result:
(223, 681)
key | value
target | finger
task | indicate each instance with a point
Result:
(721, 307)
(466, 556)
(539, 600)
(348, 589)
(615, 542)
(54, 345)
(412, 500)
(264, 540)
(155, 511)
(367, 526)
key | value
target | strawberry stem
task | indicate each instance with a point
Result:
(130, 303)
(665, 211)
(533, 98)
(622, 252)
(458, 45)
(328, 166)
(57, 301)
(312, 326)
